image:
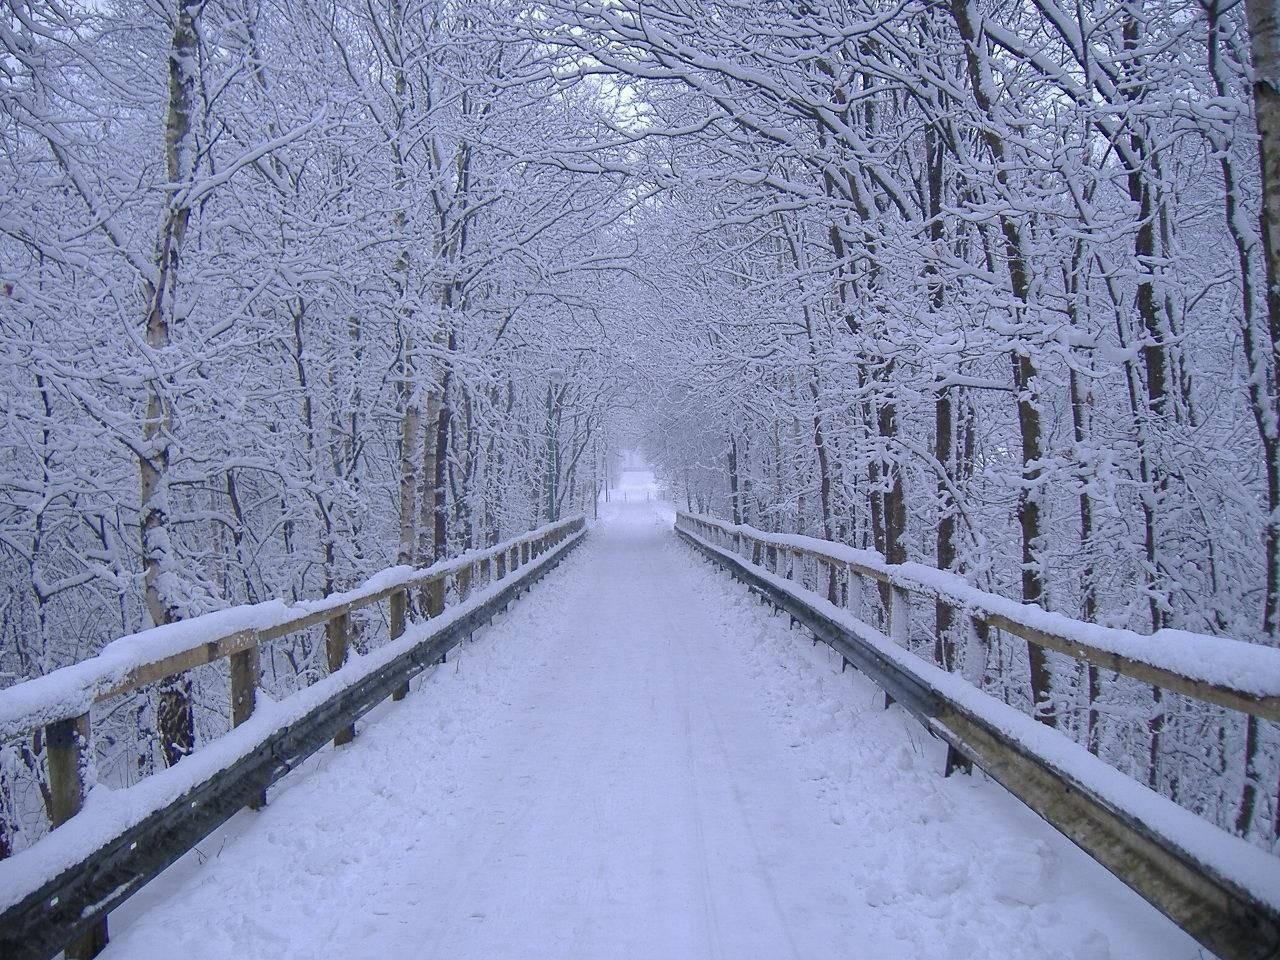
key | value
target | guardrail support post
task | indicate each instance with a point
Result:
(244, 684)
(337, 634)
(976, 639)
(397, 605)
(899, 615)
(855, 596)
(435, 599)
(67, 747)
(244, 697)
(956, 761)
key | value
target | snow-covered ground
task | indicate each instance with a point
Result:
(634, 484)
(639, 761)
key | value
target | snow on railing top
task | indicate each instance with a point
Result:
(70, 691)
(1233, 673)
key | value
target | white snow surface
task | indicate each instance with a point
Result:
(639, 761)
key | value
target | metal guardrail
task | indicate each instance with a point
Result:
(74, 904)
(1219, 911)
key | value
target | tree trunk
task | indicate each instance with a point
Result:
(177, 724)
(1264, 34)
(967, 21)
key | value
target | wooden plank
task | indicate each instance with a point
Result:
(1266, 707)
(67, 745)
(398, 601)
(900, 616)
(244, 697)
(435, 597)
(182, 662)
(236, 641)
(337, 637)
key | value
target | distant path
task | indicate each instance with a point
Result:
(639, 762)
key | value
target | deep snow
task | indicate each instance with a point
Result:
(639, 761)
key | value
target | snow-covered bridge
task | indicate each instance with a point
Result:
(637, 758)
(327, 325)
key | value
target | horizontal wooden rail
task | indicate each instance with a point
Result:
(1221, 890)
(57, 893)
(160, 652)
(1220, 670)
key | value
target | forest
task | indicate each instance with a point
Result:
(292, 291)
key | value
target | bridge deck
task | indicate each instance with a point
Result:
(639, 761)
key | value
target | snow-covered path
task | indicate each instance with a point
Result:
(639, 761)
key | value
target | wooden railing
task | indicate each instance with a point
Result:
(1240, 676)
(1220, 889)
(57, 893)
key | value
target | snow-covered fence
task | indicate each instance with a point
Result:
(1230, 673)
(1221, 889)
(57, 893)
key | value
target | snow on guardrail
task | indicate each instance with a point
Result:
(72, 690)
(1249, 668)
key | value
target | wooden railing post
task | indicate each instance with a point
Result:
(524, 553)
(337, 635)
(501, 565)
(463, 581)
(899, 615)
(976, 642)
(397, 605)
(244, 684)
(67, 747)
(435, 596)
(856, 600)
(244, 697)
(484, 575)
